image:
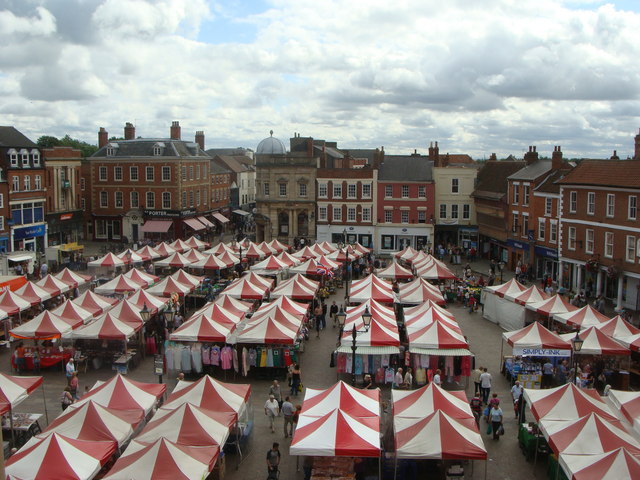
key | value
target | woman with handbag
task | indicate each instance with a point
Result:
(296, 379)
(495, 415)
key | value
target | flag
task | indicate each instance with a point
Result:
(324, 270)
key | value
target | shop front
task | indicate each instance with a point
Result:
(518, 252)
(170, 224)
(393, 239)
(546, 262)
(31, 237)
(65, 227)
(355, 233)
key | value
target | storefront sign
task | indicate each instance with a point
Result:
(66, 216)
(546, 252)
(541, 352)
(29, 232)
(169, 213)
(158, 365)
(518, 245)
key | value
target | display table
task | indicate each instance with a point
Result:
(25, 425)
(528, 440)
(46, 359)
(530, 380)
(121, 363)
(327, 467)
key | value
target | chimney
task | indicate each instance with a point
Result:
(103, 137)
(493, 157)
(615, 155)
(531, 156)
(200, 139)
(175, 130)
(637, 151)
(129, 131)
(556, 158)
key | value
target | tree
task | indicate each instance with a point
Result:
(86, 148)
(47, 141)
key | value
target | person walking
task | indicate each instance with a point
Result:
(476, 407)
(276, 391)
(485, 385)
(398, 379)
(273, 460)
(317, 313)
(20, 359)
(408, 379)
(495, 415)
(288, 410)
(296, 417)
(271, 410)
(66, 398)
(70, 369)
(333, 311)
(73, 386)
(296, 379)
(475, 376)
(437, 379)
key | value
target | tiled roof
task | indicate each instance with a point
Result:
(233, 163)
(459, 158)
(613, 173)
(368, 153)
(11, 137)
(143, 147)
(549, 185)
(492, 178)
(216, 168)
(398, 168)
(532, 171)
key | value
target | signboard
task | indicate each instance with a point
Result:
(158, 365)
(540, 352)
(519, 245)
(28, 232)
(169, 213)
(66, 216)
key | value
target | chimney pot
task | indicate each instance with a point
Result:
(175, 133)
(103, 137)
(200, 139)
(129, 131)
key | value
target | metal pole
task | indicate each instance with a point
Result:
(353, 356)
(44, 400)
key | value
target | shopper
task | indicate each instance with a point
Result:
(273, 460)
(476, 407)
(271, 410)
(333, 311)
(296, 379)
(288, 411)
(495, 415)
(475, 375)
(275, 390)
(485, 385)
(66, 398)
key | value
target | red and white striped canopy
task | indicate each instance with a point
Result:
(73, 312)
(252, 251)
(237, 307)
(406, 254)
(617, 328)
(127, 312)
(380, 334)
(220, 249)
(438, 436)
(597, 343)
(92, 422)
(278, 245)
(552, 306)
(189, 425)
(435, 271)
(168, 287)
(319, 250)
(164, 460)
(72, 278)
(371, 287)
(210, 393)
(436, 335)
(164, 250)
(179, 246)
(193, 242)
(229, 258)
(33, 293)
(12, 303)
(328, 247)
(614, 465)
(186, 278)
(141, 277)
(266, 248)
(65, 457)
(194, 255)
(53, 285)
(14, 390)
(110, 260)
(243, 288)
(210, 262)
(215, 326)
(149, 252)
(424, 317)
(174, 260)
(421, 309)
(106, 327)
(129, 256)
(536, 336)
(584, 317)
(354, 401)
(286, 304)
(270, 264)
(566, 402)
(297, 287)
(258, 279)
(95, 303)
(310, 267)
(122, 393)
(426, 400)
(418, 291)
(120, 284)
(305, 253)
(45, 326)
(588, 435)
(289, 259)
(142, 298)
(529, 295)
(394, 272)
(276, 326)
(361, 248)
(512, 288)
(628, 403)
(378, 312)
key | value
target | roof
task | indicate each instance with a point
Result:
(459, 159)
(235, 163)
(549, 185)
(143, 147)
(216, 168)
(368, 153)
(330, 151)
(609, 173)
(532, 171)
(11, 137)
(492, 178)
(400, 168)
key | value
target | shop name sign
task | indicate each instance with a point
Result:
(541, 352)
(27, 232)
(169, 213)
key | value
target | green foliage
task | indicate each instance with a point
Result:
(86, 148)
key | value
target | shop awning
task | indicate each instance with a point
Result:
(221, 218)
(194, 223)
(20, 258)
(205, 222)
(241, 212)
(156, 226)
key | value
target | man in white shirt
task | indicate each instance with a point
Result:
(485, 385)
(398, 379)
(271, 410)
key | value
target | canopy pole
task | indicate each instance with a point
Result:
(44, 400)
(395, 468)
(501, 351)
(535, 456)
(13, 436)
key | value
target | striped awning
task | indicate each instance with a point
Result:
(444, 352)
(221, 218)
(193, 223)
(205, 221)
(384, 350)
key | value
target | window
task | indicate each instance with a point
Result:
(1, 200)
(184, 199)
(135, 200)
(157, 150)
(302, 189)
(102, 174)
(337, 190)
(591, 203)
(83, 204)
(388, 216)
(322, 214)
(151, 200)
(548, 206)
(111, 151)
(166, 174)
(516, 223)
(133, 174)
(27, 213)
(553, 231)
(204, 197)
(542, 227)
(118, 200)
(443, 210)
(525, 195)
(322, 190)
(13, 155)
(388, 191)
(589, 238)
(37, 180)
(35, 154)
(405, 191)
(422, 191)
(183, 171)
(633, 207)
(198, 172)
(104, 199)
(117, 174)
(631, 249)
(611, 204)
(166, 200)
(404, 216)
(422, 216)
(191, 198)
(525, 225)
(351, 214)
(337, 214)
(27, 183)
(516, 194)
(82, 183)
(455, 185)
(149, 174)
(198, 198)
(190, 172)
(366, 214)
(608, 244)
(454, 211)
(573, 202)
(366, 190)
(16, 183)
(265, 189)
(571, 240)
(25, 158)
(282, 189)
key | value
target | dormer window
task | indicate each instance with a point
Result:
(111, 149)
(24, 154)
(157, 149)
(35, 155)
(13, 156)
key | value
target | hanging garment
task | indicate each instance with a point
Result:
(349, 365)
(385, 360)
(186, 359)
(226, 358)
(380, 376)
(287, 357)
(359, 364)
(168, 358)
(263, 357)
(421, 376)
(177, 359)
(277, 358)
(215, 355)
(342, 363)
(245, 361)
(236, 363)
(389, 375)
(196, 359)
(206, 359)
(252, 357)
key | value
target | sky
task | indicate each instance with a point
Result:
(477, 76)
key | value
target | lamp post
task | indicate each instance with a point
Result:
(346, 265)
(576, 346)
(366, 319)
(501, 268)
(145, 313)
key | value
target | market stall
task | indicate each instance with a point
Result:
(497, 309)
(529, 295)
(297, 287)
(94, 303)
(195, 243)
(278, 246)
(628, 404)
(305, 253)
(584, 317)
(109, 261)
(545, 310)
(180, 246)
(129, 257)
(434, 270)
(270, 266)
(394, 272)
(164, 250)
(149, 252)
(616, 464)
(33, 293)
(118, 286)
(73, 312)
(53, 285)
(174, 260)
(140, 277)
(419, 291)
(371, 287)
(566, 402)
(194, 256)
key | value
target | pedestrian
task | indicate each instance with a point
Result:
(485, 385)
(495, 415)
(271, 410)
(398, 379)
(323, 317)
(273, 460)
(333, 311)
(548, 371)
(516, 395)
(275, 390)
(437, 379)
(44, 269)
(73, 385)
(475, 375)
(476, 407)
(368, 382)
(317, 314)
(70, 368)
(296, 379)
(296, 417)
(288, 411)
(177, 321)
(20, 359)
(66, 398)
(408, 379)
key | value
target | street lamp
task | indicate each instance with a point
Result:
(576, 346)
(501, 268)
(169, 313)
(145, 313)
(366, 319)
